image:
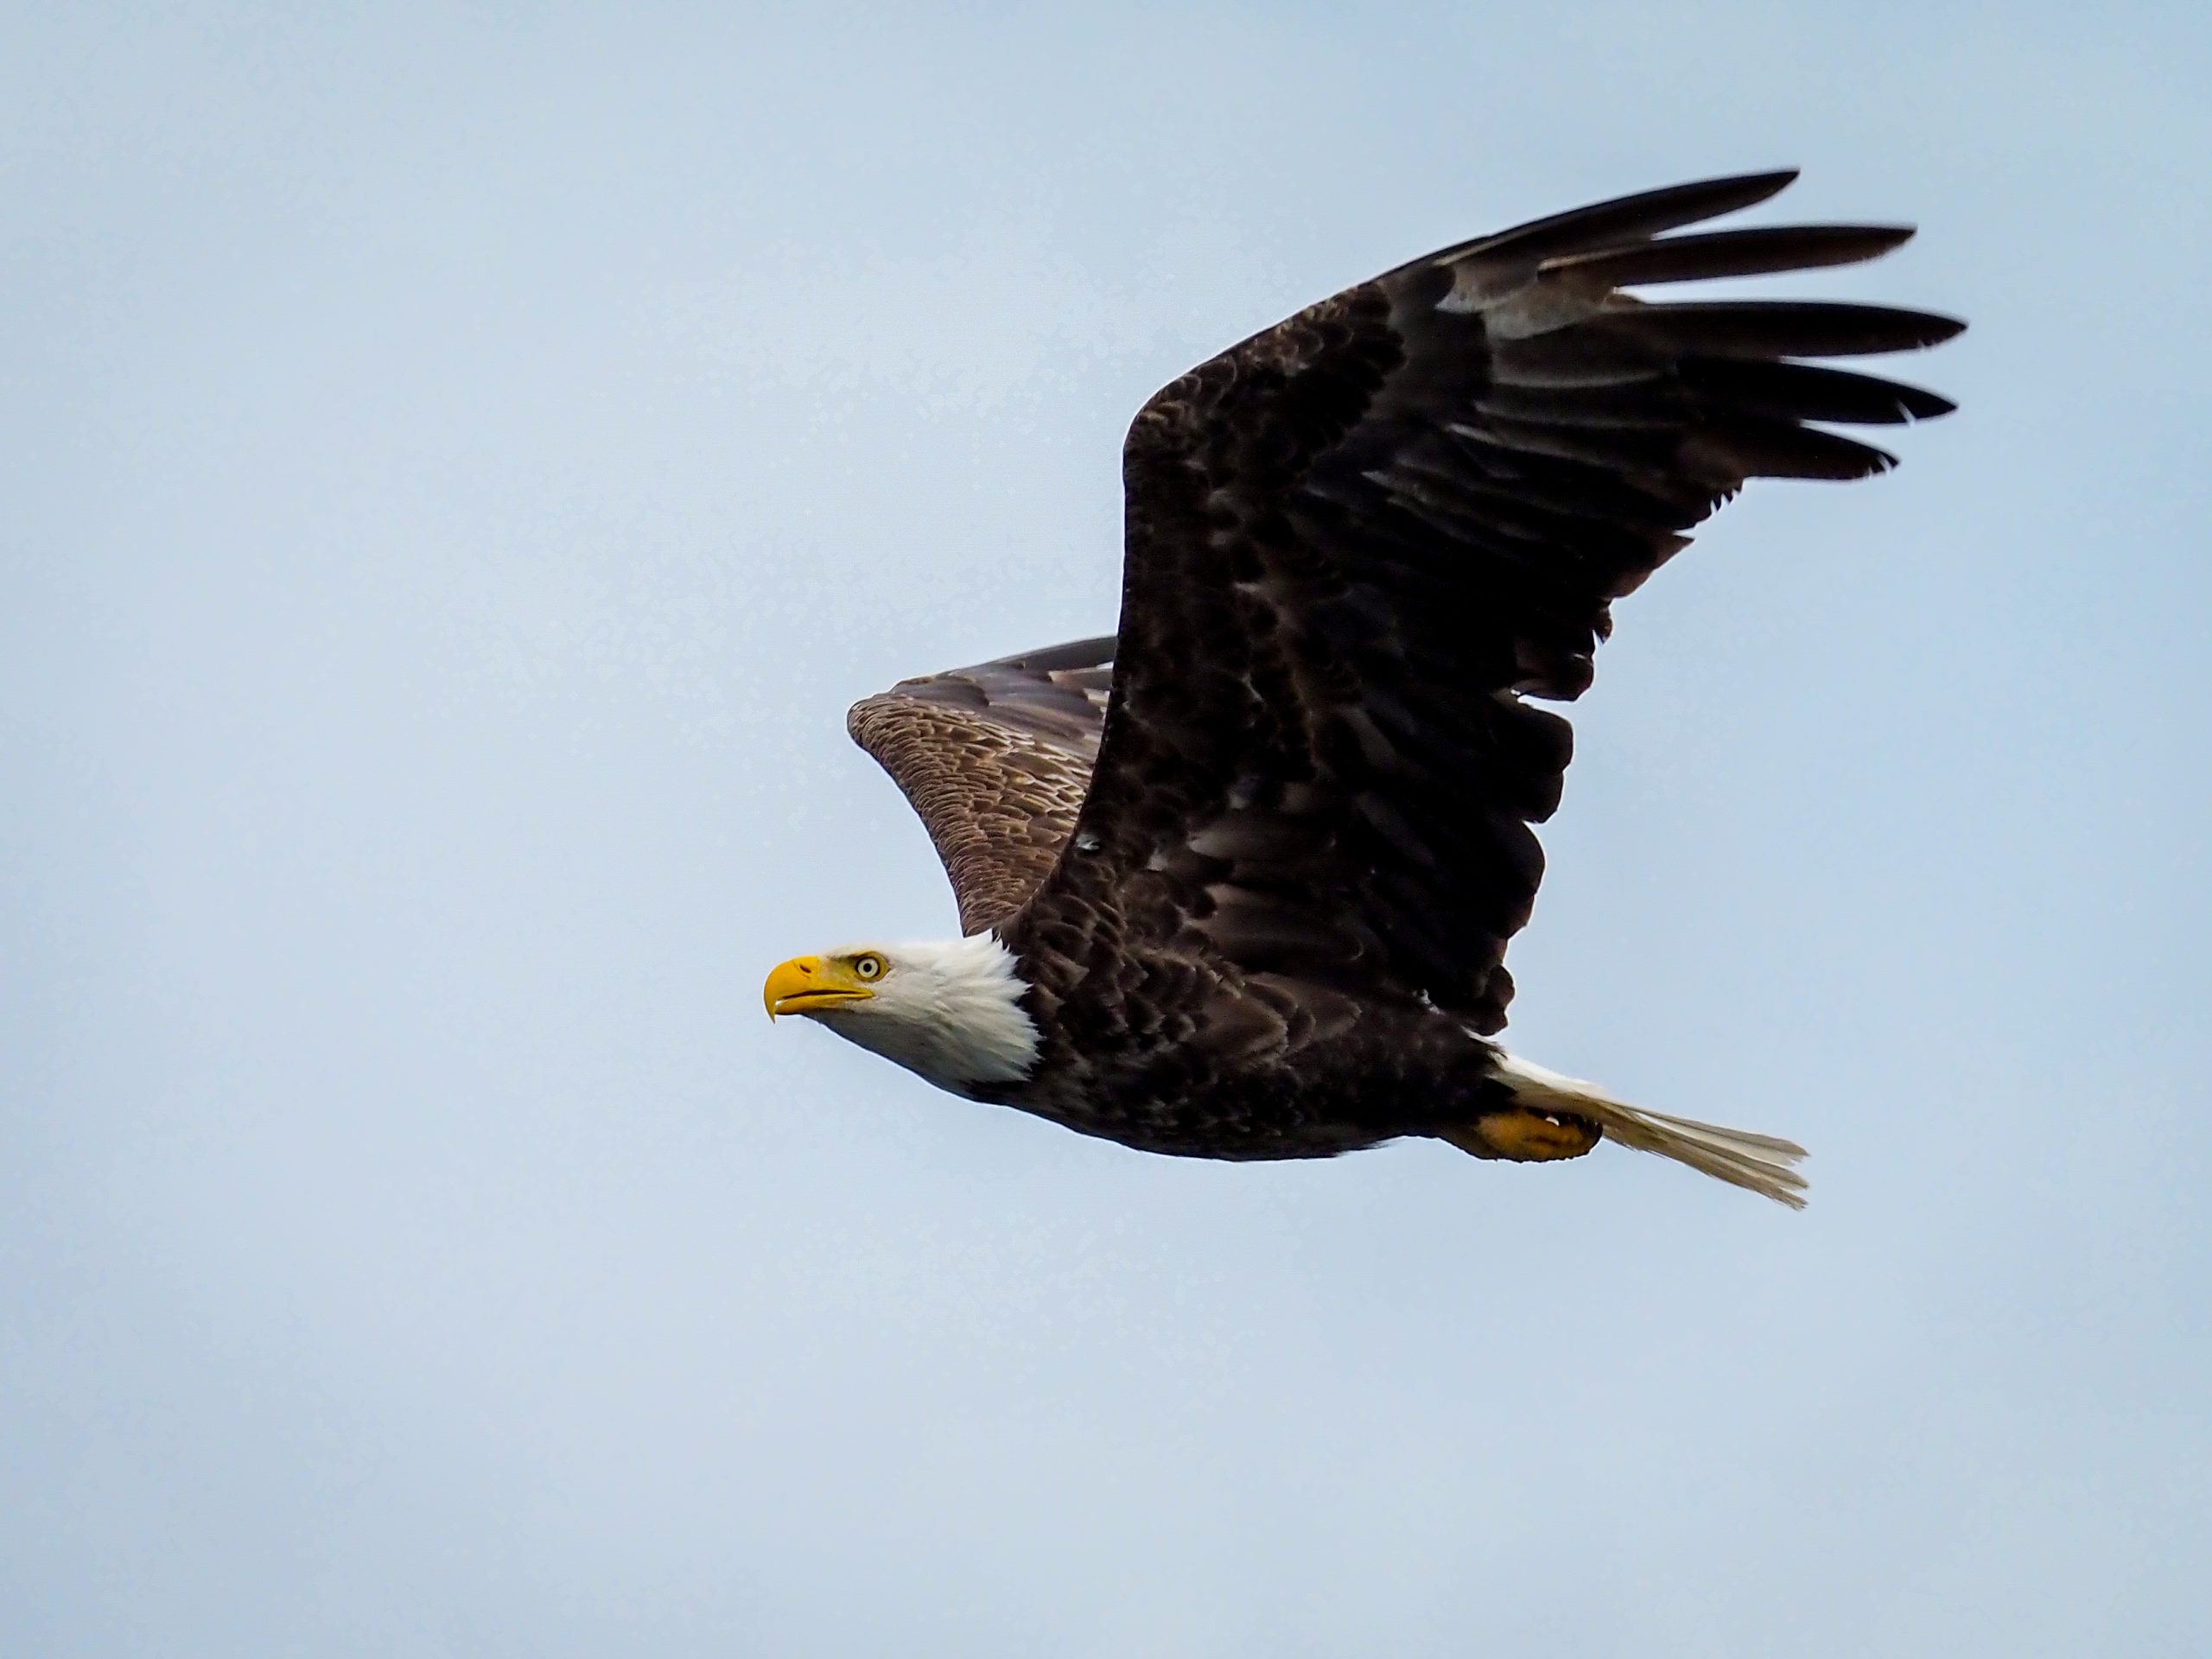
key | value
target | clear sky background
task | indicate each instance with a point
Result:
(458, 466)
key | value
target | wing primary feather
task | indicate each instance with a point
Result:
(1624, 219)
(1752, 448)
(1802, 392)
(1733, 253)
(1778, 327)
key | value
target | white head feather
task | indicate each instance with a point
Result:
(947, 1010)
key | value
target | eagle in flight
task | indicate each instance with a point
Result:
(1237, 882)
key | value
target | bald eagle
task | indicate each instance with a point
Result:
(1237, 882)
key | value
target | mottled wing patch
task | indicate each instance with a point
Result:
(995, 760)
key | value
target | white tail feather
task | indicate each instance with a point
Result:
(1760, 1163)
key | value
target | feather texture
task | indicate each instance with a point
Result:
(995, 760)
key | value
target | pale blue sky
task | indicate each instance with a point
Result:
(460, 465)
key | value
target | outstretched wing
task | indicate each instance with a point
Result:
(994, 759)
(1357, 541)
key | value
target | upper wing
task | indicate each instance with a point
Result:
(1356, 540)
(994, 759)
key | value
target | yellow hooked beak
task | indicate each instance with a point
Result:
(808, 984)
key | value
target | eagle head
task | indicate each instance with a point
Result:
(950, 1011)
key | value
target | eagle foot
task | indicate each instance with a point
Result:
(1524, 1136)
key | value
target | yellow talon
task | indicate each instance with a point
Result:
(1522, 1136)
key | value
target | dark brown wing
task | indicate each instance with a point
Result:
(994, 759)
(1357, 541)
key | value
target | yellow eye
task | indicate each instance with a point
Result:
(868, 967)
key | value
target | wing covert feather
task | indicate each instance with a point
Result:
(995, 760)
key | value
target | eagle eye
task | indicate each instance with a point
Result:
(868, 967)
